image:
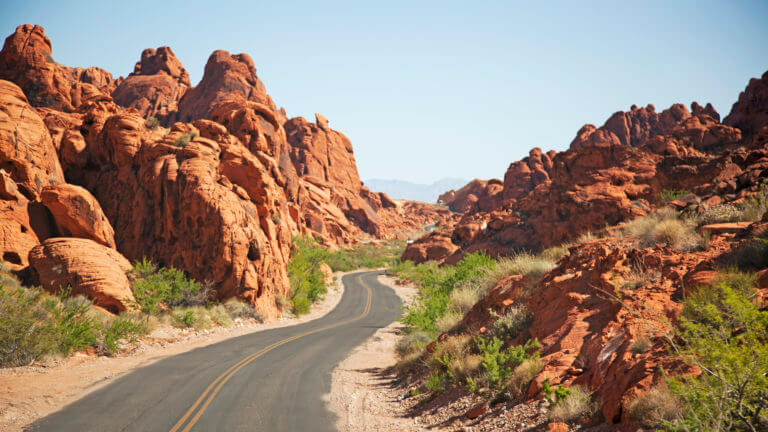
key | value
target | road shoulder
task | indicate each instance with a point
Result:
(362, 396)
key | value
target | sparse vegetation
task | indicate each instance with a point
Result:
(152, 123)
(655, 408)
(668, 195)
(512, 323)
(159, 288)
(641, 345)
(184, 139)
(576, 404)
(665, 227)
(724, 335)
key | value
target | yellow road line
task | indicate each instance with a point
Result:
(222, 379)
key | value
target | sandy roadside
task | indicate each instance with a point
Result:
(361, 395)
(32, 392)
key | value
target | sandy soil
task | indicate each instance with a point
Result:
(363, 394)
(31, 392)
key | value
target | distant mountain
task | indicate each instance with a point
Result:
(400, 189)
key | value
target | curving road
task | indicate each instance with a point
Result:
(272, 380)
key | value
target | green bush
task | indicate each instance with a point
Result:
(153, 287)
(26, 332)
(725, 336)
(435, 287)
(512, 323)
(123, 327)
(499, 363)
(196, 317)
(74, 328)
(307, 281)
(184, 139)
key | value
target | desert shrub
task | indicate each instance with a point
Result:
(669, 195)
(465, 296)
(725, 336)
(554, 253)
(26, 333)
(525, 264)
(435, 383)
(751, 254)
(755, 207)
(283, 302)
(522, 376)
(639, 275)
(196, 317)
(655, 408)
(665, 227)
(152, 123)
(184, 139)
(307, 281)
(512, 323)
(447, 321)
(156, 286)
(575, 404)
(641, 345)
(721, 213)
(240, 309)
(220, 315)
(412, 343)
(435, 286)
(123, 327)
(499, 363)
(73, 326)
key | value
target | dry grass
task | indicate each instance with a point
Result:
(283, 302)
(464, 297)
(523, 375)
(412, 343)
(576, 405)
(667, 228)
(641, 345)
(655, 406)
(448, 321)
(639, 275)
(465, 366)
(512, 323)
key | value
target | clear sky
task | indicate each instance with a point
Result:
(427, 90)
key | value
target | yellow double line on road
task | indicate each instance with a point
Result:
(213, 388)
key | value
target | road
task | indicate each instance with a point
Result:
(272, 380)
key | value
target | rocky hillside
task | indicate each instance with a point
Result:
(212, 179)
(629, 258)
(617, 172)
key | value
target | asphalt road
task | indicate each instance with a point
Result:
(272, 380)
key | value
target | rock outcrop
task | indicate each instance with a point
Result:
(219, 195)
(86, 268)
(750, 112)
(482, 195)
(155, 86)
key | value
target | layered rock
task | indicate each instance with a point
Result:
(84, 267)
(155, 86)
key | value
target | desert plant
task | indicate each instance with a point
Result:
(725, 336)
(184, 139)
(74, 328)
(666, 196)
(26, 331)
(512, 323)
(655, 408)
(196, 317)
(155, 286)
(576, 404)
(435, 383)
(447, 321)
(123, 327)
(220, 315)
(522, 376)
(641, 345)
(283, 302)
(665, 227)
(413, 342)
(152, 123)
(499, 363)
(240, 309)
(721, 213)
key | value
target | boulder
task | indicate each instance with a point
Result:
(76, 213)
(87, 268)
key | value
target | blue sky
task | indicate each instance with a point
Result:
(427, 90)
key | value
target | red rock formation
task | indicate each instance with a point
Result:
(26, 60)
(85, 267)
(156, 85)
(750, 112)
(523, 176)
(483, 195)
(76, 213)
(226, 78)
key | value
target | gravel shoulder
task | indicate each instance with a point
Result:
(363, 394)
(31, 392)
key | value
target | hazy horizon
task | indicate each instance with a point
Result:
(437, 90)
